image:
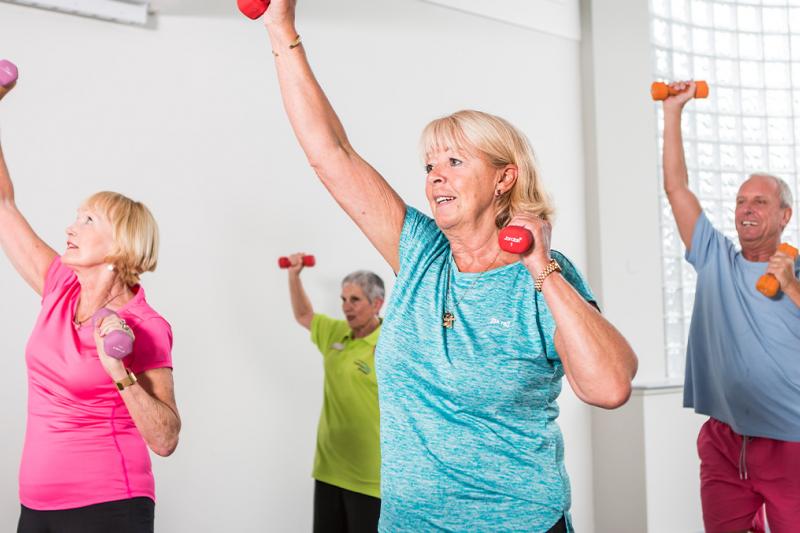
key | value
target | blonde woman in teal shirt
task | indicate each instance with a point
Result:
(347, 462)
(476, 340)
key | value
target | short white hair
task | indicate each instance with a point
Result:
(369, 282)
(784, 192)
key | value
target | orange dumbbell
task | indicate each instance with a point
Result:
(660, 90)
(768, 284)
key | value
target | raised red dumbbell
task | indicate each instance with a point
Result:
(308, 260)
(515, 239)
(252, 8)
(117, 344)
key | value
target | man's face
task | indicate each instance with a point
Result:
(760, 218)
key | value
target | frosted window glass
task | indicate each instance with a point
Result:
(775, 20)
(702, 42)
(749, 52)
(777, 47)
(724, 15)
(778, 75)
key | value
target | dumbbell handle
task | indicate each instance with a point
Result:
(660, 90)
(116, 344)
(515, 239)
(768, 285)
(308, 260)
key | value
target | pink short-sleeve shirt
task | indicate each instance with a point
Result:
(81, 445)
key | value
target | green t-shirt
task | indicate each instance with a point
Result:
(348, 439)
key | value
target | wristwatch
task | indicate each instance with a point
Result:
(127, 381)
(552, 267)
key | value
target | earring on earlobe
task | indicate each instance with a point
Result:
(110, 268)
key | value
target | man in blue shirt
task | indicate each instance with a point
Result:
(743, 354)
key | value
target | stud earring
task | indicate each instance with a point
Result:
(110, 268)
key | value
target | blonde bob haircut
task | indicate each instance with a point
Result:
(499, 143)
(134, 231)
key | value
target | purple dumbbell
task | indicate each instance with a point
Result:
(8, 76)
(117, 344)
(8, 72)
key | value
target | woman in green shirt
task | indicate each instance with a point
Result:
(347, 463)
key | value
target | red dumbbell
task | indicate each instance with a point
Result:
(308, 260)
(515, 239)
(768, 285)
(253, 8)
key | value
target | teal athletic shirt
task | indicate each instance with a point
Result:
(469, 439)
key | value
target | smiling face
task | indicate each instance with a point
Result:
(89, 240)
(460, 187)
(357, 308)
(760, 217)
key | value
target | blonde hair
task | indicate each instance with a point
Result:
(134, 231)
(501, 144)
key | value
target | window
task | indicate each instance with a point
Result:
(749, 52)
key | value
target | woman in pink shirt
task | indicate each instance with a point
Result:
(91, 417)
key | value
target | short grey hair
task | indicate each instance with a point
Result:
(784, 192)
(370, 283)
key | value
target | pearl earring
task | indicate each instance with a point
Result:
(110, 268)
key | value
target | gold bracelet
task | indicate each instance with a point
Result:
(553, 266)
(294, 44)
(127, 381)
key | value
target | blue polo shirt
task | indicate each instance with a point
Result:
(743, 354)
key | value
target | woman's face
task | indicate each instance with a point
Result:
(89, 240)
(460, 188)
(356, 307)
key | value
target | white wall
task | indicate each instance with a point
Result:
(645, 464)
(185, 116)
(646, 471)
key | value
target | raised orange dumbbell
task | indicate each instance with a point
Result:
(768, 285)
(660, 90)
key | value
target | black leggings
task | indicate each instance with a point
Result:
(560, 527)
(123, 516)
(338, 510)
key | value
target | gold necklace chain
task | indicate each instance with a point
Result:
(449, 318)
(78, 323)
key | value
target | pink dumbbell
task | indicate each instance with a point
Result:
(515, 239)
(8, 76)
(117, 344)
